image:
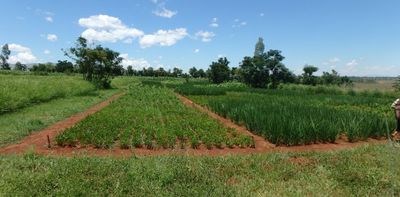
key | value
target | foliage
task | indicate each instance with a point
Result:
(264, 68)
(4, 55)
(20, 67)
(43, 68)
(64, 66)
(396, 85)
(97, 64)
(308, 77)
(219, 71)
(18, 91)
(150, 117)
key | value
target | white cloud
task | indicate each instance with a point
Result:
(18, 48)
(205, 36)
(196, 50)
(214, 22)
(46, 52)
(21, 54)
(352, 63)
(106, 28)
(221, 55)
(52, 37)
(49, 19)
(163, 37)
(164, 12)
(137, 64)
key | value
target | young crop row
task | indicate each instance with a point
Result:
(17, 91)
(295, 119)
(151, 117)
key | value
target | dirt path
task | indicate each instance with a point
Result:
(38, 143)
(39, 139)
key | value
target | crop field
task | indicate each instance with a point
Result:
(294, 117)
(18, 91)
(151, 117)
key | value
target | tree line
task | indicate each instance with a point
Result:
(99, 64)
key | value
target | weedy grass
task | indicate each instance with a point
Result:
(18, 91)
(364, 171)
(150, 117)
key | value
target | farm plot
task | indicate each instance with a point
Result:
(294, 118)
(151, 117)
(18, 91)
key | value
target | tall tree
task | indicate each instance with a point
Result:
(130, 71)
(64, 66)
(259, 49)
(5, 54)
(98, 64)
(219, 71)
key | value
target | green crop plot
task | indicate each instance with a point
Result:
(151, 117)
(294, 117)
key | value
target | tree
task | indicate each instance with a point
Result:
(201, 73)
(259, 49)
(278, 71)
(130, 71)
(43, 68)
(5, 54)
(308, 77)
(64, 66)
(254, 71)
(176, 72)
(97, 64)
(219, 71)
(193, 72)
(20, 67)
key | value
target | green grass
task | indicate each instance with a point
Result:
(365, 171)
(151, 117)
(14, 126)
(18, 91)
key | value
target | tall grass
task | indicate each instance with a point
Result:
(294, 118)
(18, 91)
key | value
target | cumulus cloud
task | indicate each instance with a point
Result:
(21, 54)
(52, 37)
(46, 52)
(106, 28)
(163, 37)
(205, 36)
(137, 64)
(49, 19)
(165, 13)
(214, 22)
(196, 50)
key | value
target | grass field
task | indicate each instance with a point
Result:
(365, 171)
(151, 117)
(18, 91)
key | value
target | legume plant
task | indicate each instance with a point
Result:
(151, 117)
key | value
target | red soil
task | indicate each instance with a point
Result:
(38, 141)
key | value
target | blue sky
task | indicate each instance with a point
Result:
(355, 37)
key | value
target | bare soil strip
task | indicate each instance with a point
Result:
(38, 141)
